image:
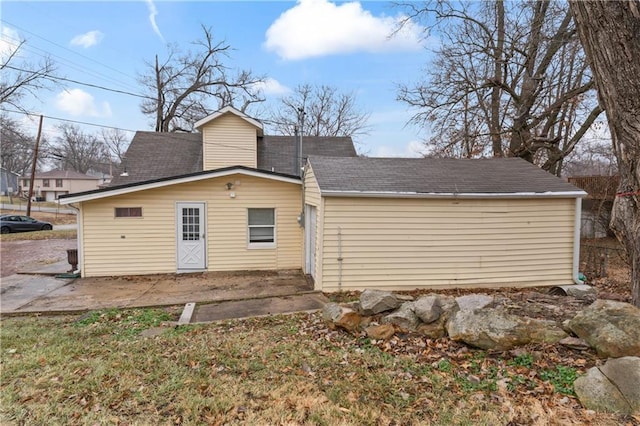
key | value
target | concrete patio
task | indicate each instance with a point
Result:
(37, 291)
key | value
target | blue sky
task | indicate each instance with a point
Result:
(343, 44)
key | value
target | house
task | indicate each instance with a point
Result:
(229, 198)
(596, 207)
(54, 183)
(8, 181)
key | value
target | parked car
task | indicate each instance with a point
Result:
(17, 223)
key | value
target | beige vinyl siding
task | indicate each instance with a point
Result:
(229, 141)
(149, 243)
(311, 188)
(409, 243)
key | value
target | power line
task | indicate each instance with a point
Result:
(31, 114)
(174, 135)
(51, 77)
(67, 63)
(69, 50)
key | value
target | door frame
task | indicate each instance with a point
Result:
(203, 233)
(310, 236)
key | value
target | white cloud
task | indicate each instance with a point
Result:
(413, 149)
(271, 86)
(9, 42)
(88, 39)
(77, 102)
(318, 27)
(152, 18)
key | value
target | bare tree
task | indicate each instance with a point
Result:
(187, 86)
(19, 77)
(321, 111)
(78, 151)
(16, 146)
(509, 79)
(609, 34)
(116, 141)
(593, 156)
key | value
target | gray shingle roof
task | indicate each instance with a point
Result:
(277, 152)
(434, 175)
(63, 174)
(153, 155)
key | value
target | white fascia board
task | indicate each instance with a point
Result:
(390, 194)
(225, 110)
(169, 182)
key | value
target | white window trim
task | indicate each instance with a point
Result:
(272, 245)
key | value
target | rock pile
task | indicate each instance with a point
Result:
(477, 320)
(611, 328)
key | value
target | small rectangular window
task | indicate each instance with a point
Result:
(58, 183)
(25, 183)
(45, 183)
(262, 228)
(128, 212)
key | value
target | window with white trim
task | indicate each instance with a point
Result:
(261, 228)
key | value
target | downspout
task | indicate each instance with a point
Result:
(79, 223)
(340, 259)
(576, 241)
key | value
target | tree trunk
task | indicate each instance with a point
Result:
(610, 34)
(496, 92)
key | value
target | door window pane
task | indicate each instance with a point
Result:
(190, 224)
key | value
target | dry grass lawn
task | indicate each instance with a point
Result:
(99, 369)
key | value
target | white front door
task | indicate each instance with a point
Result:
(191, 236)
(310, 239)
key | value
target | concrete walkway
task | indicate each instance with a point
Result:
(277, 292)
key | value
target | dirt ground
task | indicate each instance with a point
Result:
(17, 255)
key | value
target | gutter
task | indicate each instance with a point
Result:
(454, 195)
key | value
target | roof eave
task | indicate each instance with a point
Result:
(462, 195)
(229, 109)
(159, 183)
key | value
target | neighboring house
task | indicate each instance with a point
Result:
(8, 179)
(52, 184)
(228, 199)
(596, 207)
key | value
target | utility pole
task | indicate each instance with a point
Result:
(33, 167)
(300, 155)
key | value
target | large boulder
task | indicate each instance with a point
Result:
(611, 328)
(427, 308)
(380, 332)
(471, 302)
(433, 330)
(405, 318)
(341, 317)
(613, 387)
(376, 301)
(495, 329)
